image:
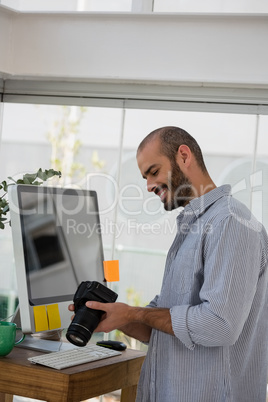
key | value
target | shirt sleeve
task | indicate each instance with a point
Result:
(232, 261)
(153, 303)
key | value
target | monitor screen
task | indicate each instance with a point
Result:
(57, 245)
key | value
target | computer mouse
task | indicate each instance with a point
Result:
(115, 345)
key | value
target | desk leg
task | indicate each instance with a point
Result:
(6, 397)
(129, 394)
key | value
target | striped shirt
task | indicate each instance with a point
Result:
(215, 285)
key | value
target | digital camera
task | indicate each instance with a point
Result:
(86, 319)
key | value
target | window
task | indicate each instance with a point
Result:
(69, 5)
(101, 146)
(211, 6)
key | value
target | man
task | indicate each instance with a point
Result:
(207, 330)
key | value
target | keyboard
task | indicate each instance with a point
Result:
(69, 358)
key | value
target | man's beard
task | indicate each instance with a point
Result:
(180, 189)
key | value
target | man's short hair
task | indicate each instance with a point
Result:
(171, 138)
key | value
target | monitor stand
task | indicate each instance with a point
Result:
(44, 345)
(43, 342)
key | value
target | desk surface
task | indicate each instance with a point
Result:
(20, 377)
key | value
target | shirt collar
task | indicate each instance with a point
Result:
(199, 205)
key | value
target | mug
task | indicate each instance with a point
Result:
(8, 336)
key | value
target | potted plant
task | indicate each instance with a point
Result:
(29, 178)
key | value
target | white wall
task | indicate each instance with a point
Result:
(209, 6)
(195, 49)
(5, 41)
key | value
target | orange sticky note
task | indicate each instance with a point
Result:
(40, 318)
(111, 270)
(53, 313)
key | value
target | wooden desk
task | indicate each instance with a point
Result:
(20, 377)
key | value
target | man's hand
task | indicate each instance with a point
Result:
(116, 315)
(133, 321)
(113, 318)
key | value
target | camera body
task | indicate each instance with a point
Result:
(86, 319)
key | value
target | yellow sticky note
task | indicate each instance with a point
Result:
(111, 270)
(40, 318)
(53, 314)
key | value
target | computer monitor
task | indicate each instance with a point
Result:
(57, 244)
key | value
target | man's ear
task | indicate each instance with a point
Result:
(184, 156)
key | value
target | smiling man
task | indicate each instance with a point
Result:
(173, 167)
(207, 330)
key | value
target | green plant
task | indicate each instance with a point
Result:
(29, 178)
(65, 143)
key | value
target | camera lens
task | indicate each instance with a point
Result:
(83, 325)
(76, 339)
